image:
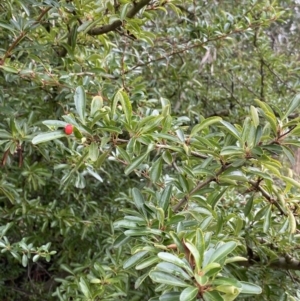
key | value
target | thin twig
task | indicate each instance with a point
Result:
(22, 35)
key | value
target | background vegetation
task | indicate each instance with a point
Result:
(179, 181)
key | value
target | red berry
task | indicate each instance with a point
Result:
(69, 129)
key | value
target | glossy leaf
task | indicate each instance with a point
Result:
(189, 294)
(222, 251)
(168, 279)
(80, 103)
(44, 137)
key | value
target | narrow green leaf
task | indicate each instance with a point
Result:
(177, 241)
(8, 68)
(5, 134)
(232, 150)
(175, 270)
(267, 220)
(135, 163)
(84, 25)
(165, 198)
(96, 105)
(80, 103)
(172, 296)
(292, 106)
(55, 123)
(189, 294)
(204, 124)
(121, 240)
(248, 207)
(212, 296)
(44, 137)
(211, 269)
(292, 222)
(232, 130)
(250, 288)
(235, 259)
(6, 26)
(24, 260)
(200, 244)
(140, 280)
(291, 181)
(171, 258)
(254, 116)
(133, 260)
(84, 288)
(93, 151)
(222, 251)
(168, 279)
(147, 262)
(138, 199)
(126, 105)
(155, 171)
(196, 255)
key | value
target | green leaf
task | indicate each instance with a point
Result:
(8, 68)
(232, 130)
(294, 104)
(140, 280)
(222, 251)
(204, 124)
(121, 240)
(212, 296)
(80, 103)
(248, 207)
(93, 151)
(135, 163)
(24, 260)
(84, 288)
(147, 262)
(232, 150)
(44, 137)
(55, 123)
(196, 255)
(126, 105)
(6, 26)
(254, 116)
(212, 269)
(165, 198)
(122, 97)
(155, 171)
(189, 294)
(172, 296)
(291, 181)
(168, 279)
(5, 134)
(235, 259)
(267, 220)
(138, 199)
(133, 260)
(175, 270)
(172, 258)
(292, 222)
(200, 244)
(250, 288)
(96, 105)
(177, 241)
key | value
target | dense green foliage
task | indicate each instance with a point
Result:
(177, 181)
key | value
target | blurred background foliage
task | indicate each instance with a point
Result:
(179, 181)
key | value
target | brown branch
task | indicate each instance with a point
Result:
(271, 200)
(22, 35)
(113, 26)
(199, 186)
